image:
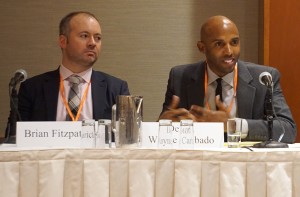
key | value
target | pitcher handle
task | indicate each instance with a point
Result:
(139, 106)
(114, 124)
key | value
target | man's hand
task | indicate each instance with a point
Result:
(175, 114)
(203, 115)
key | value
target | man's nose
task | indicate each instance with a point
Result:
(228, 49)
(92, 41)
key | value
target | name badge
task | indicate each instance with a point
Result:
(199, 135)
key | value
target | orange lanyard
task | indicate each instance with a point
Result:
(234, 88)
(62, 92)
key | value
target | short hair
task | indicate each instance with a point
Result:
(64, 25)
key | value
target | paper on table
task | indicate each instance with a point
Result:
(246, 143)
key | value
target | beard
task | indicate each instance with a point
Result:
(81, 59)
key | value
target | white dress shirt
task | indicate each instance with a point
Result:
(87, 108)
(227, 94)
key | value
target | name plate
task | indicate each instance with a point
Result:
(49, 134)
(200, 135)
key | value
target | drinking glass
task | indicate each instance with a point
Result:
(88, 134)
(165, 134)
(234, 128)
(186, 135)
(103, 136)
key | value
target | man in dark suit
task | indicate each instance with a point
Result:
(46, 97)
(191, 91)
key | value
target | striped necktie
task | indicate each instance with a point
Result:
(74, 97)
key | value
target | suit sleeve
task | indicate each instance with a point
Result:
(24, 103)
(124, 90)
(169, 92)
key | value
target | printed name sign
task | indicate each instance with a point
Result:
(200, 135)
(49, 134)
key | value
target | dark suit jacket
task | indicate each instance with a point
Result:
(187, 82)
(38, 96)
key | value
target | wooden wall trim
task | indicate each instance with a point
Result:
(281, 39)
(266, 32)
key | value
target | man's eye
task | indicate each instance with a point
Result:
(235, 42)
(98, 38)
(83, 35)
(218, 44)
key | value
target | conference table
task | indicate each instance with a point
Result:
(76, 172)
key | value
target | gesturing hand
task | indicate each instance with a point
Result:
(175, 114)
(204, 115)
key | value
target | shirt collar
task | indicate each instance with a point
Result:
(85, 75)
(212, 77)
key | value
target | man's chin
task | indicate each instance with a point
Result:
(91, 61)
(228, 68)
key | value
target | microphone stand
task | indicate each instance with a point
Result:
(14, 116)
(270, 116)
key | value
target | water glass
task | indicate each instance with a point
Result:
(104, 136)
(186, 135)
(88, 134)
(165, 134)
(234, 128)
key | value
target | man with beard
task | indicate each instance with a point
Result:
(74, 91)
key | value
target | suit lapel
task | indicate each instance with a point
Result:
(51, 89)
(195, 87)
(99, 87)
(245, 92)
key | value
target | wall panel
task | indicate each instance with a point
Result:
(142, 40)
(282, 43)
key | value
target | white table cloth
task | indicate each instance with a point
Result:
(143, 173)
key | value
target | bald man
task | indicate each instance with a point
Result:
(192, 89)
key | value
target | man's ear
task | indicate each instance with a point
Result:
(62, 41)
(201, 46)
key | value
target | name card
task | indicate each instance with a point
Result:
(50, 134)
(200, 135)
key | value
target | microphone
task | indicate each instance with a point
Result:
(14, 115)
(265, 78)
(20, 76)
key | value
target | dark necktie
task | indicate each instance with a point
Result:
(74, 98)
(219, 92)
(219, 88)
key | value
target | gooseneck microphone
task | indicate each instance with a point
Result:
(20, 76)
(14, 115)
(265, 78)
